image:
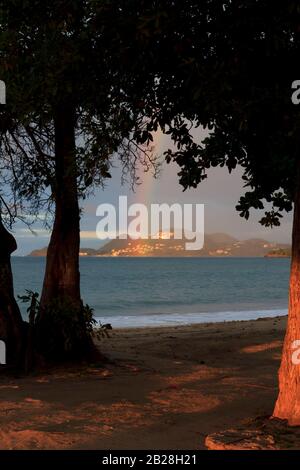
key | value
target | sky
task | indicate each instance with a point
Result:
(219, 193)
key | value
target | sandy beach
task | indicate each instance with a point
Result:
(165, 388)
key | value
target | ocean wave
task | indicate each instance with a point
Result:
(140, 321)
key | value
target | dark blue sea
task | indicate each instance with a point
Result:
(128, 292)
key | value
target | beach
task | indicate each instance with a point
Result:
(163, 388)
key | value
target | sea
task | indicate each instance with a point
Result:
(139, 292)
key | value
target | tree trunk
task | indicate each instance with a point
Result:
(11, 323)
(60, 322)
(288, 401)
(62, 278)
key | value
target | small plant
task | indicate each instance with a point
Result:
(32, 311)
(96, 329)
(60, 328)
(63, 329)
(88, 316)
(33, 308)
(103, 330)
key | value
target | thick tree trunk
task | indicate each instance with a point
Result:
(62, 279)
(11, 323)
(60, 322)
(288, 401)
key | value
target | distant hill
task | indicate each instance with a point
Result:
(41, 252)
(82, 252)
(215, 245)
(279, 253)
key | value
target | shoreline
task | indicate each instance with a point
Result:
(186, 319)
(187, 327)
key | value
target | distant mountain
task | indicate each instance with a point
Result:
(279, 253)
(215, 245)
(41, 252)
(82, 252)
(87, 252)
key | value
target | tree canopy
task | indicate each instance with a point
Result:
(227, 66)
(58, 54)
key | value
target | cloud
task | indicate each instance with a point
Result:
(27, 233)
(88, 234)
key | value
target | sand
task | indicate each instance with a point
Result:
(165, 388)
